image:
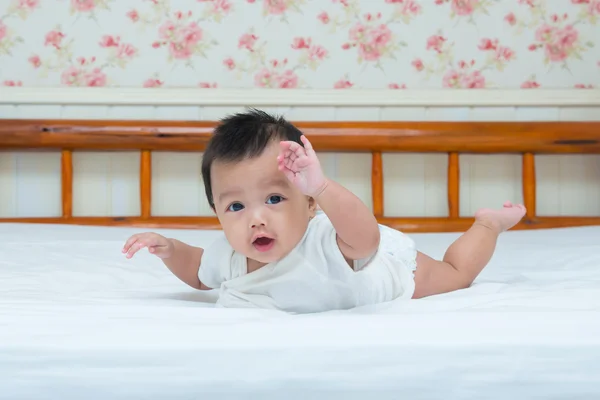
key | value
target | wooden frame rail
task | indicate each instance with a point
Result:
(453, 138)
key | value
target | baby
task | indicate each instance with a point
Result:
(265, 184)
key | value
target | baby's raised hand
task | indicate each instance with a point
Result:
(158, 245)
(302, 167)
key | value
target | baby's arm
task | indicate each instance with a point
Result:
(354, 223)
(184, 263)
(182, 259)
(356, 227)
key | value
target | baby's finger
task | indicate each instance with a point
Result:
(297, 149)
(135, 248)
(307, 145)
(130, 242)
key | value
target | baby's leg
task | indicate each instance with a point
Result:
(468, 255)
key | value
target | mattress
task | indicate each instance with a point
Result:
(78, 320)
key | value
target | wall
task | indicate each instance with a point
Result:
(293, 44)
(309, 59)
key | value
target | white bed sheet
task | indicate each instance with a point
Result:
(78, 320)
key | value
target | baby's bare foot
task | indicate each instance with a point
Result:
(503, 219)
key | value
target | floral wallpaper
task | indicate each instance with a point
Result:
(314, 44)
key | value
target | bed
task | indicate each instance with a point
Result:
(78, 320)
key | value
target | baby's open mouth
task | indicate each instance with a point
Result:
(263, 243)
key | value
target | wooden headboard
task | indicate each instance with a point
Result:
(454, 138)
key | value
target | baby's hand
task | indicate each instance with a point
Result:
(158, 245)
(302, 167)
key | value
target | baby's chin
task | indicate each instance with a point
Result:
(269, 257)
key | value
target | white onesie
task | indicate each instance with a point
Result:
(314, 276)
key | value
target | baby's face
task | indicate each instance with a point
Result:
(262, 214)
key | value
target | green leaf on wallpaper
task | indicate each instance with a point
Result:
(589, 44)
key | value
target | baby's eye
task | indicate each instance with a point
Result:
(274, 199)
(235, 207)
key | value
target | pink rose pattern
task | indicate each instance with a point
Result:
(289, 44)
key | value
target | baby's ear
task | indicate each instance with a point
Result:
(312, 206)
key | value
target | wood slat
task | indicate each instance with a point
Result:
(453, 185)
(377, 184)
(374, 137)
(66, 165)
(146, 183)
(529, 185)
(464, 137)
(410, 225)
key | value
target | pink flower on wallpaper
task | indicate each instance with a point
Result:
(406, 7)
(473, 80)
(35, 61)
(153, 83)
(464, 7)
(451, 79)
(207, 85)
(73, 76)
(511, 18)
(463, 79)
(28, 4)
(530, 3)
(342, 2)
(501, 53)
(221, 6)
(263, 78)
(95, 78)
(3, 30)
(583, 86)
(343, 84)
(301, 43)
(182, 39)
(125, 51)
(83, 61)
(122, 51)
(12, 83)
(436, 42)
(530, 84)
(317, 53)
(247, 41)
(275, 7)
(109, 41)
(287, 80)
(380, 35)
(396, 86)
(54, 38)
(323, 17)
(83, 5)
(558, 43)
(312, 53)
(418, 64)
(371, 40)
(593, 6)
(133, 15)
(229, 63)
(267, 78)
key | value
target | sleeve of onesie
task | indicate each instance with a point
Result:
(215, 257)
(325, 237)
(324, 240)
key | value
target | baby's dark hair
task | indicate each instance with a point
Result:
(241, 136)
